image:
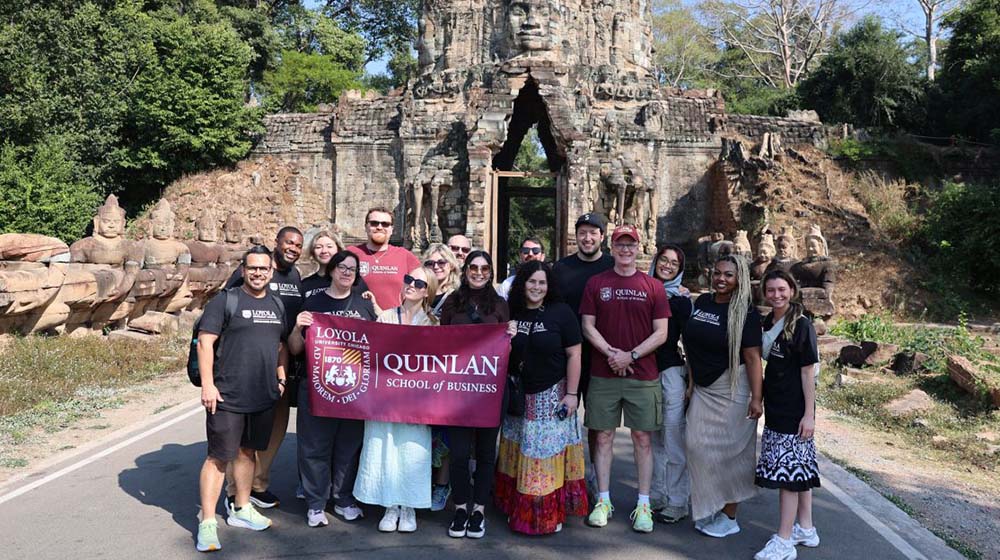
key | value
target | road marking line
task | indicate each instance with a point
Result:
(881, 528)
(80, 464)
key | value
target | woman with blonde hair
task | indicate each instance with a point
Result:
(447, 270)
(395, 466)
(322, 246)
(723, 343)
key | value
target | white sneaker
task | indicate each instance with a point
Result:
(407, 520)
(700, 524)
(390, 520)
(349, 513)
(777, 549)
(721, 527)
(806, 537)
(317, 518)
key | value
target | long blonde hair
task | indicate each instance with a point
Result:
(739, 307)
(454, 277)
(428, 303)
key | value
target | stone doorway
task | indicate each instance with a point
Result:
(524, 200)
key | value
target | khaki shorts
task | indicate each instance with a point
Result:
(641, 401)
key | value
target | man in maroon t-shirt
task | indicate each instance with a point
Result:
(624, 314)
(381, 264)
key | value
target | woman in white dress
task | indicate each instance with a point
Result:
(395, 468)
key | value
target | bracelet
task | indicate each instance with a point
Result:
(282, 382)
(577, 395)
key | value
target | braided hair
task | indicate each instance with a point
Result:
(739, 307)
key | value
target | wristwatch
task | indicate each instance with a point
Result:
(635, 355)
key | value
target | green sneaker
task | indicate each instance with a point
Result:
(642, 519)
(602, 512)
(208, 536)
(248, 517)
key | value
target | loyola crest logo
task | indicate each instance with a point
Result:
(341, 372)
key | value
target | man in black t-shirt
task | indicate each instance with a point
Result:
(286, 283)
(239, 391)
(572, 273)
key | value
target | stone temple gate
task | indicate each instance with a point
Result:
(580, 70)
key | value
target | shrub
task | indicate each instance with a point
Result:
(887, 203)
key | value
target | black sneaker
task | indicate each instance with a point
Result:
(476, 528)
(457, 528)
(263, 500)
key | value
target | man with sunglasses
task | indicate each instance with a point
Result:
(531, 250)
(380, 264)
(460, 246)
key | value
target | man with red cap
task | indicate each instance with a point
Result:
(625, 314)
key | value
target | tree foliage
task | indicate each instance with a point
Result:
(683, 45)
(303, 80)
(40, 192)
(866, 79)
(970, 72)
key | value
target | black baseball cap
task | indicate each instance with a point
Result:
(592, 219)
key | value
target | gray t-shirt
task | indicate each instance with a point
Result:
(246, 371)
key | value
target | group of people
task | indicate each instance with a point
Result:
(686, 374)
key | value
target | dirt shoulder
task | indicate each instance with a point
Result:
(960, 504)
(49, 444)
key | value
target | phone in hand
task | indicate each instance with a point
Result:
(562, 412)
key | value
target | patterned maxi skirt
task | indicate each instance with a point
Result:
(787, 462)
(539, 478)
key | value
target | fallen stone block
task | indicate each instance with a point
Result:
(911, 403)
(968, 376)
(907, 362)
(154, 322)
(131, 335)
(881, 352)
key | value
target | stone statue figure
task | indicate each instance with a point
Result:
(616, 188)
(741, 245)
(206, 249)
(817, 270)
(234, 235)
(425, 196)
(161, 249)
(787, 251)
(705, 260)
(108, 244)
(765, 253)
(533, 26)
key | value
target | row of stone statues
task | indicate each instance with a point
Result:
(816, 273)
(107, 280)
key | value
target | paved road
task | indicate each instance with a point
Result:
(141, 500)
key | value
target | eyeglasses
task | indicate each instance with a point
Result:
(415, 282)
(256, 268)
(440, 263)
(671, 262)
(344, 269)
(457, 249)
(531, 250)
(626, 246)
(377, 223)
(480, 269)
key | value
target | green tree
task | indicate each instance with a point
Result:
(684, 50)
(187, 110)
(970, 72)
(302, 81)
(386, 26)
(866, 79)
(40, 192)
(959, 231)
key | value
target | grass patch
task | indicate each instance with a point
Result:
(887, 203)
(50, 383)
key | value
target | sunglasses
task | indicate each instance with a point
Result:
(376, 223)
(481, 269)
(440, 263)
(531, 250)
(457, 249)
(415, 282)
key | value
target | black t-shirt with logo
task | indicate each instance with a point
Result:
(353, 306)
(668, 355)
(246, 373)
(286, 284)
(784, 398)
(705, 340)
(314, 284)
(552, 329)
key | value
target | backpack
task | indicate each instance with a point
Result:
(232, 301)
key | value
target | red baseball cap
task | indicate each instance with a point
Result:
(625, 230)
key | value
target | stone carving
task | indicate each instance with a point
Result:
(235, 237)
(534, 25)
(31, 247)
(741, 245)
(425, 195)
(108, 244)
(817, 271)
(765, 253)
(787, 251)
(209, 268)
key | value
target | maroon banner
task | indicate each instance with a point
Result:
(449, 376)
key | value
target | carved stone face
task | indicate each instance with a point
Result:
(529, 25)
(233, 230)
(109, 224)
(207, 231)
(786, 248)
(765, 251)
(162, 226)
(814, 247)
